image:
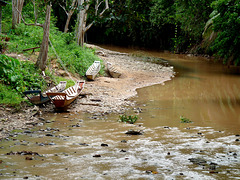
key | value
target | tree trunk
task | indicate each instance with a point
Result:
(67, 22)
(82, 16)
(14, 13)
(69, 15)
(42, 58)
(17, 6)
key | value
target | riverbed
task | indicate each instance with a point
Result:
(75, 145)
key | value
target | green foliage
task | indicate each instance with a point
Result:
(131, 119)
(24, 37)
(20, 76)
(185, 120)
(75, 58)
(162, 12)
(227, 24)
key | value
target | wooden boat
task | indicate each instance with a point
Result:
(113, 71)
(63, 99)
(37, 97)
(93, 70)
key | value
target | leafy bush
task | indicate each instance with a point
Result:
(227, 24)
(19, 75)
(128, 119)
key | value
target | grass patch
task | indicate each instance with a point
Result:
(9, 96)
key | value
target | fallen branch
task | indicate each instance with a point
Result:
(31, 49)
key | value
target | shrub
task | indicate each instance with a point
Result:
(20, 75)
(128, 119)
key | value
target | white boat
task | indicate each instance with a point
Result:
(93, 70)
(114, 72)
(65, 98)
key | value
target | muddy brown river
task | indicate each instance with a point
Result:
(85, 146)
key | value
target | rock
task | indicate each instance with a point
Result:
(133, 132)
(97, 155)
(104, 144)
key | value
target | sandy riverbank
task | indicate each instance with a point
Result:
(110, 95)
(104, 95)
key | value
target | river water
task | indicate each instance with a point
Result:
(84, 146)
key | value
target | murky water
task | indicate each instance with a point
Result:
(82, 146)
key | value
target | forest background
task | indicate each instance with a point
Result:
(207, 27)
(194, 26)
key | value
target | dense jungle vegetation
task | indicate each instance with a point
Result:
(198, 26)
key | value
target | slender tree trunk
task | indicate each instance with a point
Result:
(42, 58)
(17, 6)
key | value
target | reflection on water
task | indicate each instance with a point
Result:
(83, 146)
(204, 92)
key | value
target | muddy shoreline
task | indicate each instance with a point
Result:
(103, 96)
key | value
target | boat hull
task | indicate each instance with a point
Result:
(93, 70)
(64, 99)
(115, 73)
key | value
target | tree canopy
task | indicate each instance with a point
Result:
(201, 27)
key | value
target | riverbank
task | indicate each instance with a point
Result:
(102, 96)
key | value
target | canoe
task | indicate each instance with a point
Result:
(65, 98)
(93, 70)
(113, 71)
(38, 98)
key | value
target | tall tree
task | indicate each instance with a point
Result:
(82, 27)
(17, 6)
(69, 10)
